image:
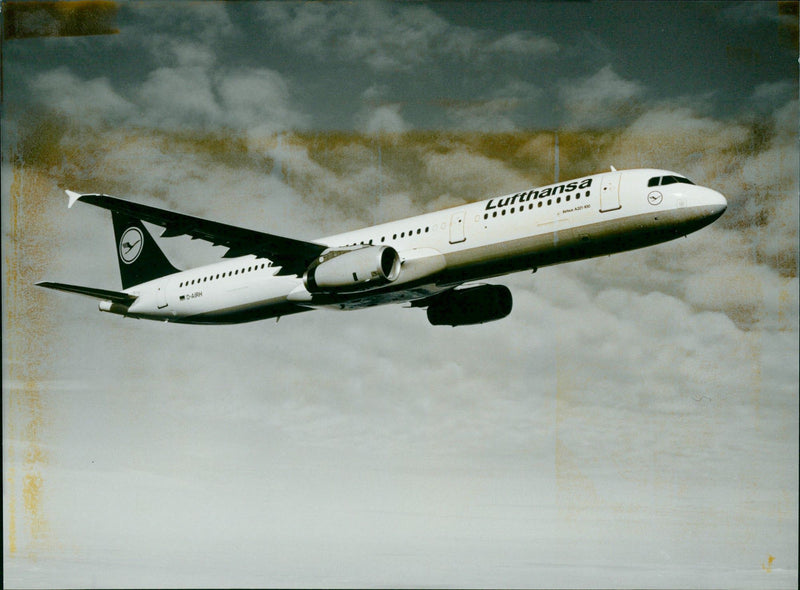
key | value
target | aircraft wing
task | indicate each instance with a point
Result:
(293, 256)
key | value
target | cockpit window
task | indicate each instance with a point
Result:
(663, 180)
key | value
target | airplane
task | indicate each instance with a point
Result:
(425, 261)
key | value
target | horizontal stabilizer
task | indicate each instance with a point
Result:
(115, 296)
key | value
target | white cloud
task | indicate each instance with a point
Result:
(193, 95)
(179, 97)
(259, 99)
(498, 113)
(772, 95)
(470, 176)
(621, 390)
(187, 54)
(384, 36)
(389, 36)
(383, 119)
(524, 43)
(208, 21)
(83, 102)
(599, 100)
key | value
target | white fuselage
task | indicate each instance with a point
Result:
(591, 216)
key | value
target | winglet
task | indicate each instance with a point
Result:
(73, 196)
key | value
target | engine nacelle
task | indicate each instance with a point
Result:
(473, 305)
(352, 271)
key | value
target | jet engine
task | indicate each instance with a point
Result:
(473, 305)
(352, 271)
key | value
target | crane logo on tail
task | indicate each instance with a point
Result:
(130, 245)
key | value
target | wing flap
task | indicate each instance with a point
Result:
(293, 256)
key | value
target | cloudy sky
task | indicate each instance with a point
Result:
(634, 422)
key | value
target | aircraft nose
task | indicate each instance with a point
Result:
(717, 202)
(714, 205)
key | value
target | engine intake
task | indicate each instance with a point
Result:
(352, 271)
(473, 305)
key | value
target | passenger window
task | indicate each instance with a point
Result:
(540, 204)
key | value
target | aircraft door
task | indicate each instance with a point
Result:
(609, 193)
(161, 294)
(457, 227)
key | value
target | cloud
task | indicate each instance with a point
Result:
(599, 100)
(382, 119)
(675, 136)
(465, 175)
(495, 115)
(771, 95)
(619, 390)
(157, 24)
(618, 401)
(384, 36)
(179, 97)
(390, 37)
(506, 108)
(82, 102)
(524, 43)
(200, 97)
(259, 98)
(193, 95)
